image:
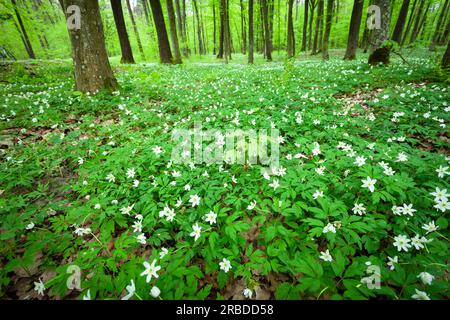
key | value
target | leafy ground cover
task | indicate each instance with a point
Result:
(87, 181)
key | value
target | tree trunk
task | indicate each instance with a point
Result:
(165, 55)
(214, 27)
(173, 32)
(181, 28)
(399, 26)
(92, 69)
(353, 32)
(446, 58)
(125, 47)
(243, 31)
(440, 21)
(410, 21)
(290, 31)
(226, 30)
(417, 20)
(250, 31)
(311, 19)
(268, 49)
(201, 47)
(136, 31)
(305, 25)
(421, 17)
(319, 20)
(26, 39)
(326, 37)
(378, 52)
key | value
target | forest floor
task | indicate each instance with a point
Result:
(88, 182)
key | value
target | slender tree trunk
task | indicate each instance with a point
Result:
(410, 21)
(378, 52)
(92, 69)
(221, 31)
(305, 25)
(268, 50)
(226, 30)
(438, 29)
(353, 32)
(26, 39)
(417, 19)
(326, 37)
(125, 47)
(243, 31)
(312, 7)
(214, 27)
(421, 16)
(319, 19)
(250, 31)
(145, 7)
(446, 58)
(173, 32)
(399, 26)
(290, 31)
(165, 54)
(135, 29)
(444, 37)
(201, 48)
(181, 28)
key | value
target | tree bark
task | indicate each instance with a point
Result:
(125, 47)
(290, 31)
(319, 20)
(268, 49)
(399, 26)
(201, 47)
(410, 21)
(250, 31)
(378, 52)
(417, 20)
(353, 32)
(135, 29)
(326, 37)
(305, 25)
(26, 39)
(440, 21)
(165, 55)
(243, 31)
(312, 7)
(173, 32)
(92, 69)
(446, 58)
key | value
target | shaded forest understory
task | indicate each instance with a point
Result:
(84, 179)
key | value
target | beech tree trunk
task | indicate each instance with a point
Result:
(319, 20)
(378, 52)
(446, 58)
(136, 31)
(165, 55)
(305, 25)
(353, 32)
(125, 47)
(268, 49)
(312, 7)
(173, 32)
(290, 31)
(250, 31)
(25, 38)
(326, 37)
(92, 69)
(417, 22)
(399, 26)
(440, 21)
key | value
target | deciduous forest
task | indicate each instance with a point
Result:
(224, 149)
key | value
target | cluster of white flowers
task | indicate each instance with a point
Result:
(441, 199)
